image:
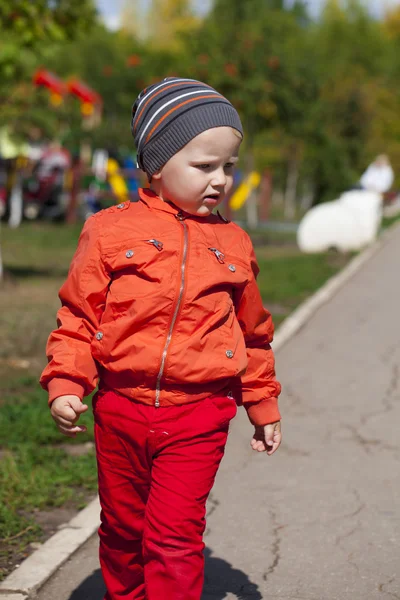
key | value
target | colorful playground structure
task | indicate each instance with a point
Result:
(59, 186)
(90, 101)
(244, 190)
(122, 183)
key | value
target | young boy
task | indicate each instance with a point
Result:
(162, 310)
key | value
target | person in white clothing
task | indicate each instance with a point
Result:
(379, 176)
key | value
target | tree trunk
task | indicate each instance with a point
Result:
(251, 202)
(72, 207)
(277, 198)
(252, 210)
(307, 197)
(291, 185)
(16, 203)
(1, 259)
(265, 194)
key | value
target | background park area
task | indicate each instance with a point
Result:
(319, 98)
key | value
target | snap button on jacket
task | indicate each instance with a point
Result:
(151, 310)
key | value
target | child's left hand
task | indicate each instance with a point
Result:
(267, 438)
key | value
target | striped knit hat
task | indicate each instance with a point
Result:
(170, 113)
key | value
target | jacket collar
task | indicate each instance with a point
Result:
(154, 202)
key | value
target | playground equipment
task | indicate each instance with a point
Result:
(107, 182)
(91, 101)
(244, 190)
(116, 181)
(45, 190)
(56, 86)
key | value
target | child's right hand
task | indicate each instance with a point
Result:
(66, 411)
(267, 438)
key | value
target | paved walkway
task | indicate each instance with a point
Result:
(321, 519)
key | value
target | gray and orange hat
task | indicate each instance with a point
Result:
(170, 113)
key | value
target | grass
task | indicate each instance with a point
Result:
(286, 280)
(389, 221)
(37, 470)
(37, 477)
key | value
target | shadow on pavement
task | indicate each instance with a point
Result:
(91, 589)
(220, 579)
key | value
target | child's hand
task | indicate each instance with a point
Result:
(267, 438)
(66, 410)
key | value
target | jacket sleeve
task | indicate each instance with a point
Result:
(259, 387)
(71, 368)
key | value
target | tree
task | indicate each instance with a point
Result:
(133, 20)
(30, 33)
(118, 66)
(259, 60)
(350, 53)
(166, 19)
(30, 30)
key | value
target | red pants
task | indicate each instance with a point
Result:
(156, 469)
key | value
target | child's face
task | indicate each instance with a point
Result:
(199, 176)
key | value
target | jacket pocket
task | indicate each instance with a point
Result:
(224, 273)
(135, 268)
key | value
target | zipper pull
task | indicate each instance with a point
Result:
(180, 216)
(157, 244)
(219, 255)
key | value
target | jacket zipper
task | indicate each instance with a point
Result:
(220, 256)
(156, 244)
(180, 218)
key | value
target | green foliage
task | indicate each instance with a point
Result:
(39, 22)
(29, 28)
(320, 97)
(350, 52)
(30, 32)
(36, 471)
(166, 20)
(118, 67)
(253, 60)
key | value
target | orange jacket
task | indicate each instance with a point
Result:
(163, 307)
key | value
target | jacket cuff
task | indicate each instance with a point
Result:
(263, 412)
(64, 387)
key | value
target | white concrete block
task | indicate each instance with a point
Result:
(347, 224)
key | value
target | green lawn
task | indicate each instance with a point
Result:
(388, 221)
(37, 470)
(286, 280)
